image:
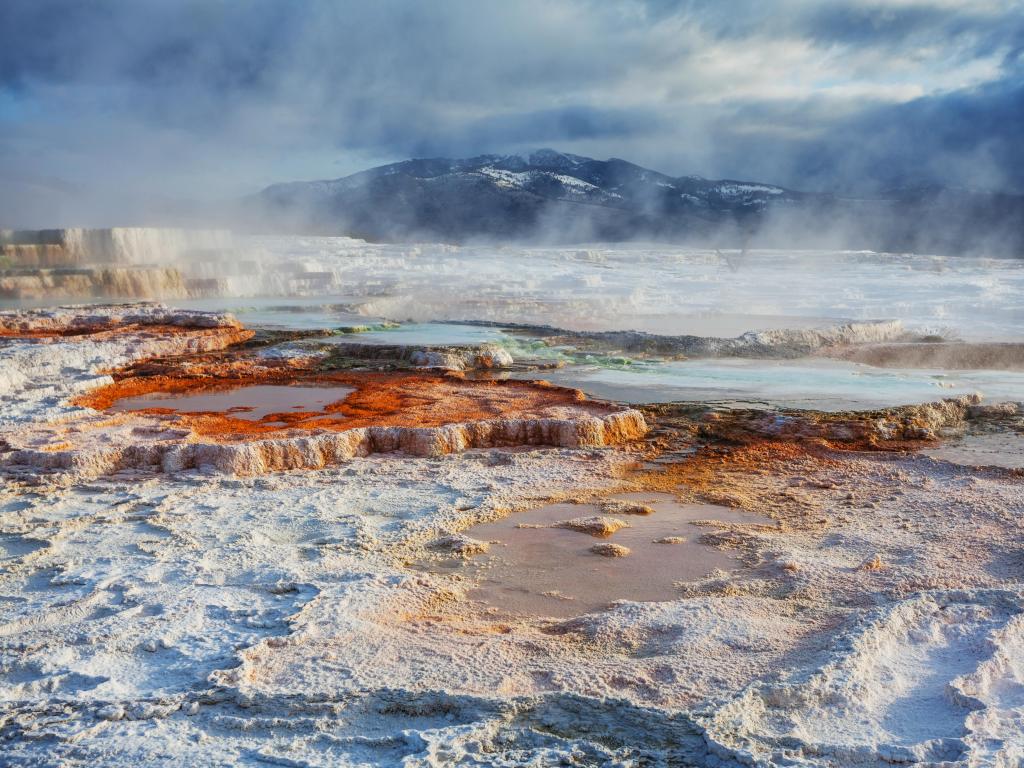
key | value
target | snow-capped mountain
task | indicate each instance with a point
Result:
(556, 196)
(516, 195)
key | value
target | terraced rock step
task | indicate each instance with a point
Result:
(419, 415)
(82, 320)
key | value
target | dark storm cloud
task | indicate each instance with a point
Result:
(874, 24)
(146, 98)
(560, 125)
(968, 138)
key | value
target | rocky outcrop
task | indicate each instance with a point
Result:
(74, 320)
(609, 549)
(867, 428)
(782, 343)
(315, 451)
(593, 526)
(461, 358)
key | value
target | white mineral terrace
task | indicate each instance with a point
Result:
(589, 581)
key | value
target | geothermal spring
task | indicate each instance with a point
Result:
(331, 503)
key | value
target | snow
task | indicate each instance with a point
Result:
(520, 179)
(739, 190)
(510, 179)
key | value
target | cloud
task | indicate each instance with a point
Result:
(154, 99)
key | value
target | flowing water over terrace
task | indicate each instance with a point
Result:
(535, 569)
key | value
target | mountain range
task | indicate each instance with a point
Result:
(556, 197)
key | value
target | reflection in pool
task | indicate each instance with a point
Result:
(254, 402)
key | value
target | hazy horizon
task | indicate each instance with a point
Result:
(112, 111)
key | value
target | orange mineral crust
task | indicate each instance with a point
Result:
(378, 399)
(89, 332)
(179, 338)
(309, 421)
(746, 477)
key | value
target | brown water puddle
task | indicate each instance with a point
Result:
(253, 402)
(544, 571)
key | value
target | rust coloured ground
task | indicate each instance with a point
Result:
(233, 334)
(732, 463)
(379, 399)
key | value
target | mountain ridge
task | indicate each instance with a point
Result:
(554, 197)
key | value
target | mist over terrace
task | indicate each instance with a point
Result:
(558, 382)
(149, 113)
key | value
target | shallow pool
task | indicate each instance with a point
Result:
(807, 383)
(257, 402)
(535, 569)
(285, 313)
(1000, 449)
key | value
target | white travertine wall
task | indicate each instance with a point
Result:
(123, 245)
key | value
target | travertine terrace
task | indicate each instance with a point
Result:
(531, 384)
(420, 414)
(299, 585)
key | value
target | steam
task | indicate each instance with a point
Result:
(421, 202)
(154, 113)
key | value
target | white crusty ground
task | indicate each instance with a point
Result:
(38, 375)
(199, 618)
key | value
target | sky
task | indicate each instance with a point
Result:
(111, 110)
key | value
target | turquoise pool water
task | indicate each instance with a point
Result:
(806, 383)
